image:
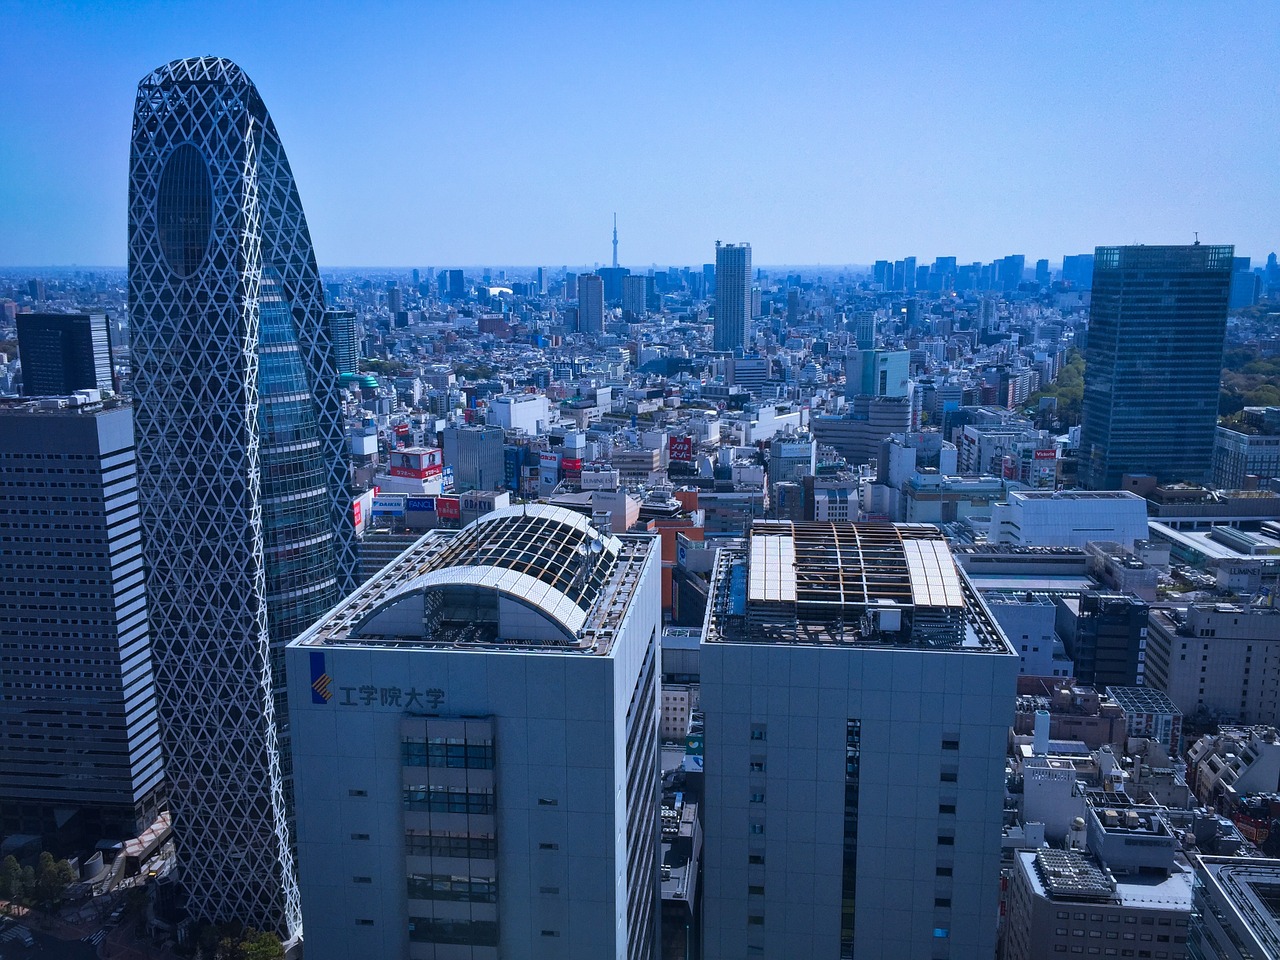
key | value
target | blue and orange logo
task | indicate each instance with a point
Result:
(321, 682)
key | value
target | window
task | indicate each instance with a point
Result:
(757, 766)
(357, 793)
(359, 836)
(756, 859)
(362, 879)
(755, 920)
(462, 846)
(946, 841)
(948, 776)
(755, 890)
(548, 802)
(548, 846)
(362, 922)
(757, 731)
(942, 901)
(943, 871)
(440, 886)
(946, 808)
(447, 752)
(757, 798)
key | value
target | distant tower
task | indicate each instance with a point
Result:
(733, 295)
(1157, 324)
(615, 241)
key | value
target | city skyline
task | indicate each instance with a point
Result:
(839, 150)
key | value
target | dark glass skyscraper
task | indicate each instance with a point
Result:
(733, 296)
(64, 352)
(245, 503)
(1154, 362)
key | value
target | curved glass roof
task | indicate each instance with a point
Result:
(547, 558)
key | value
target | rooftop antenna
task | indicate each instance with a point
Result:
(615, 241)
(1196, 232)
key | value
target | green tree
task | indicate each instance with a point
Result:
(10, 878)
(52, 879)
(258, 945)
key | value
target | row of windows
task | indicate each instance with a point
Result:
(448, 799)
(467, 847)
(440, 886)
(475, 933)
(1116, 918)
(455, 752)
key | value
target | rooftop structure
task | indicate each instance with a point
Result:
(844, 583)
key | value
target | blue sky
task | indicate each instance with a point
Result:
(433, 134)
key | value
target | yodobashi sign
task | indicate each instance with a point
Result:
(389, 504)
(680, 448)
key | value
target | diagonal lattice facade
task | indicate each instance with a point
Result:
(241, 469)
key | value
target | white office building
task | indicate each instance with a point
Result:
(475, 743)
(1069, 518)
(520, 411)
(857, 696)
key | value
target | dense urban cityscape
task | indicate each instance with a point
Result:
(920, 608)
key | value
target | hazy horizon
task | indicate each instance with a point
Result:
(826, 134)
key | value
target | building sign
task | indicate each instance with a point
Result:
(681, 448)
(418, 463)
(420, 504)
(389, 504)
(1046, 454)
(321, 682)
(448, 508)
(397, 697)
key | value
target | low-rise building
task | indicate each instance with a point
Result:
(1063, 902)
(1069, 518)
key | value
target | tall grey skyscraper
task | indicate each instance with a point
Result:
(733, 296)
(79, 738)
(64, 352)
(242, 471)
(1153, 363)
(590, 303)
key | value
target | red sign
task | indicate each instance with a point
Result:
(681, 448)
(1046, 454)
(401, 429)
(355, 512)
(448, 508)
(571, 464)
(418, 463)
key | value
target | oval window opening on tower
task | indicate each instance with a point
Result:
(184, 210)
